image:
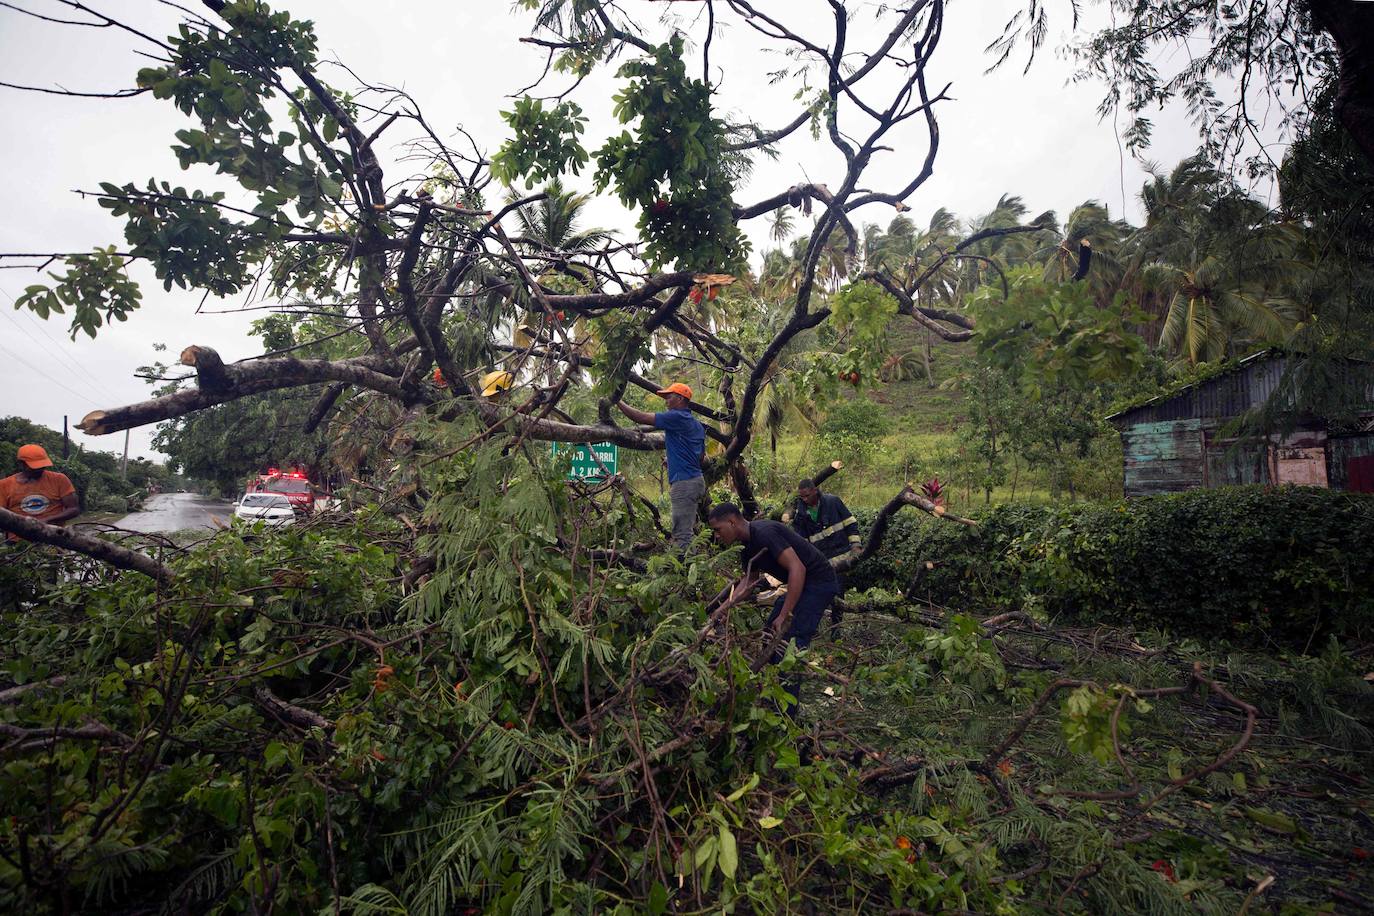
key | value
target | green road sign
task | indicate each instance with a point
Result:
(584, 466)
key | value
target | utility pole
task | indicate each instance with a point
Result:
(124, 465)
(65, 439)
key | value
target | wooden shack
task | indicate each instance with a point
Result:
(1184, 440)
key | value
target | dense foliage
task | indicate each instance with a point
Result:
(284, 725)
(288, 725)
(482, 688)
(1281, 567)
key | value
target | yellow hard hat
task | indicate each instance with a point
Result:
(496, 381)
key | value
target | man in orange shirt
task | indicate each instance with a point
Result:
(37, 493)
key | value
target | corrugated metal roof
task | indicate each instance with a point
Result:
(1246, 384)
(1225, 395)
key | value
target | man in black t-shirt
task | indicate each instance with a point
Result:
(774, 548)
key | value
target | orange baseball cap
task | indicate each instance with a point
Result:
(681, 388)
(35, 457)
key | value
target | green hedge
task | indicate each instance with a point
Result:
(1287, 566)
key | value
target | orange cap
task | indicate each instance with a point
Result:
(677, 388)
(35, 457)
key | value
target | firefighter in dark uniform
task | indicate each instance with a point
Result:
(825, 521)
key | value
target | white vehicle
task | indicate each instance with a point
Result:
(272, 508)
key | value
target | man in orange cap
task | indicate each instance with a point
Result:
(684, 440)
(37, 492)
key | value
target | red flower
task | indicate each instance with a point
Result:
(1165, 869)
(1360, 853)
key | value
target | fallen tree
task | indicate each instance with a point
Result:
(449, 699)
(406, 265)
(535, 727)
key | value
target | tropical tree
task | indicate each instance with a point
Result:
(1327, 188)
(550, 224)
(1091, 223)
(439, 703)
(1214, 261)
(1006, 241)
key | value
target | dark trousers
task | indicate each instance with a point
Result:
(836, 615)
(806, 619)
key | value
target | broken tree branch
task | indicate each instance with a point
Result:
(210, 374)
(908, 497)
(289, 713)
(119, 557)
(239, 380)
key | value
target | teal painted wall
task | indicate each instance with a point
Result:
(1162, 457)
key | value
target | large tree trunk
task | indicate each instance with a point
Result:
(1350, 23)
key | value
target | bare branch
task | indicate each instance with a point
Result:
(240, 380)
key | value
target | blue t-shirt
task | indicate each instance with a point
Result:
(685, 439)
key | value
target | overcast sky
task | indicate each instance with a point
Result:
(1035, 135)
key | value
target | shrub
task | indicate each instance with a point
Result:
(1285, 566)
(859, 418)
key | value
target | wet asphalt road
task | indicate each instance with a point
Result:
(175, 511)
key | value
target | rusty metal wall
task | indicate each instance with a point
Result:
(1340, 450)
(1229, 462)
(1224, 397)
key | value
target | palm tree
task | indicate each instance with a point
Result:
(782, 399)
(1220, 304)
(551, 223)
(892, 250)
(1090, 221)
(780, 228)
(1211, 264)
(781, 274)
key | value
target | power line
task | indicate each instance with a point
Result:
(57, 348)
(84, 399)
(38, 343)
(47, 341)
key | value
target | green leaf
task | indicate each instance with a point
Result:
(744, 789)
(1272, 820)
(658, 899)
(729, 853)
(1175, 763)
(274, 755)
(769, 822)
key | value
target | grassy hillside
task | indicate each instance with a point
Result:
(925, 440)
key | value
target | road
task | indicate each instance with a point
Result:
(175, 511)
